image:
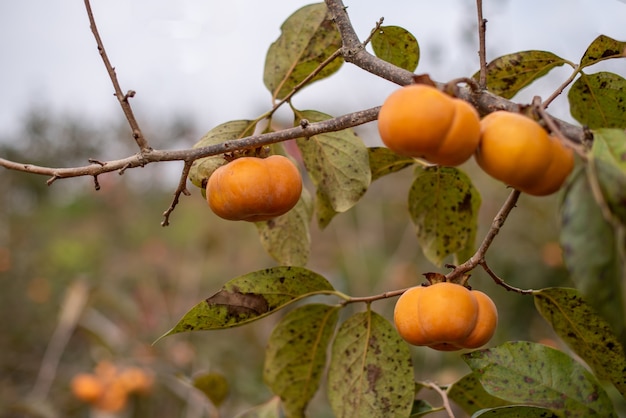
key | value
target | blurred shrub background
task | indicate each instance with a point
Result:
(141, 277)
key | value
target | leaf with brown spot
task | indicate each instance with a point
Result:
(251, 297)
(470, 395)
(585, 332)
(444, 205)
(384, 161)
(522, 372)
(603, 48)
(370, 373)
(308, 37)
(296, 355)
(598, 100)
(397, 46)
(508, 74)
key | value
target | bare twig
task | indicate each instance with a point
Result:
(373, 32)
(444, 397)
(554, 128)
(121, 97)
(501, 282)
(181, 189)
(479, 256)
(562, 87)
(370, 299)
(482, 50)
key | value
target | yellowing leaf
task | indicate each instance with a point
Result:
(252, 296)
(202, 168)
(287, 238)
(337, 162)
(443, 205)
(599, 100)
(308, 38)
(397, 46)
(383, 161)
(213, 385)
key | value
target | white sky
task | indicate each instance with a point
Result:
(205, 58)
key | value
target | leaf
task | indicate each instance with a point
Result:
(443, 205)
(307, 39)
(213, 385)
(608, 167)
(202, 168)
(585, 332)
(383, 161)
(599, 100)
(589, 251)
(296, 355)
(517, 411)
(397, 46)
(508, 74)
(470, 395)
(534, 374)
(287, 238)
(609, 145)
(337, 162)
(602, 48)
(370, 373)
(252, 296)
(270, 409)
(421, 408)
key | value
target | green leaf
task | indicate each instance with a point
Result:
(213, 385)
(611, 181)
(397, 46)
(470, 395)
(443, 205)
(324, 209)
(603, 48)
(421, 408)
(534, 374)
(508, 74)
(589, 251)
(599, 100)
(270, 409)
(202, 168)
(252, 296)
(610, 145)
(296, 355)
(585, 332)
(287, 238)
(517, 411)
(370, 372)
(383, 161)
(337, 162)
(307, 39)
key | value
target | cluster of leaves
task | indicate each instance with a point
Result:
(369, 369)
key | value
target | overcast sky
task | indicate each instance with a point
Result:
(205, 58)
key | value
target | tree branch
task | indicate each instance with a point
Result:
(121, 97)
(189, 155)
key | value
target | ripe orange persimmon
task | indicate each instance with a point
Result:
(254, 189)
(445, 316)
(560, 167)
(422, 122)
(519, 152)
(86, 387)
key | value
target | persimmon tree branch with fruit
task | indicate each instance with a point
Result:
(433, 128)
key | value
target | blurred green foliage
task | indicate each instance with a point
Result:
(142, 277)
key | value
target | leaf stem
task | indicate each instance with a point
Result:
(444, 397)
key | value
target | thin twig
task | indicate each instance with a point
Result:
(501, 282)
(181, 189)
(562, 87)
(482, 50)
(496, 224)
(370, 299)
(373, 32)
(554, 128)
(444, 397)
(121, 97)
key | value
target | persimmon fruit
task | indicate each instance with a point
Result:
(420, 121)
(519, 152)
(254, 189)
(445, 316)
(86, 387)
